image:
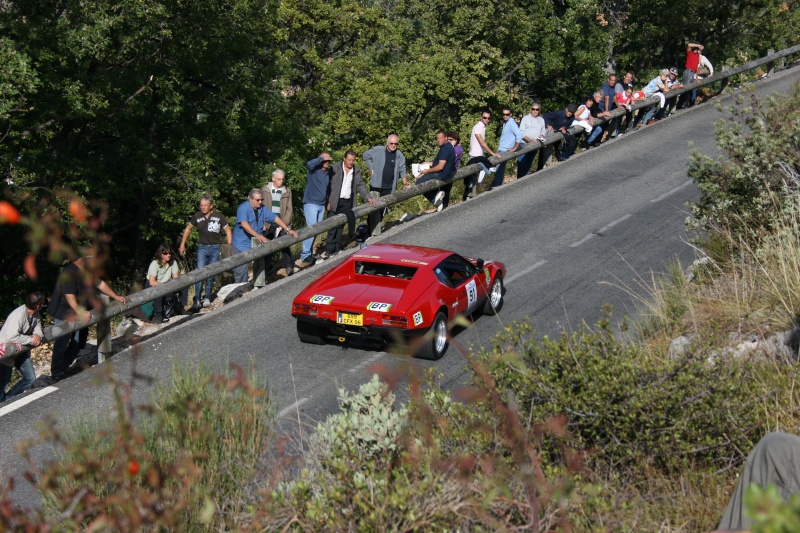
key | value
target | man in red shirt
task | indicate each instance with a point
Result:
(690, 74)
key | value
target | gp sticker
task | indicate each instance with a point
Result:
(413, 262)
(488, 276)
(417, 318)
(321, 300)
(472, 292)
(378, 306)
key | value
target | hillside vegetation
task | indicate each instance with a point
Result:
(584, 432)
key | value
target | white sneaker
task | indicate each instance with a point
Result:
(438, 200)
(206, 302)
(481, 175)
(404, 217)
(492, 170)
(440, 207)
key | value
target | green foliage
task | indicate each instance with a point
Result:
(367, 425)
(744, 190)
(629, 409)
(185, 462)
(769, 513)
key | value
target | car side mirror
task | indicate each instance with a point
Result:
(479, 264)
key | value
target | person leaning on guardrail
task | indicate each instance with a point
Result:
(560, 121)
(478, 148)
(315, 197)
(73, 299)
(386, 164)
(690, 73)
(210, 224)
(252, 220)
(163, 268)
(510, 138)
(280, 198)
(22, 329)
(533, 129)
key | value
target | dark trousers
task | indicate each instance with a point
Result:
(334, 243)
(158, 303)
(525, 162)
(431, 195)
(374, 220)
(65, 350)
(286, 254)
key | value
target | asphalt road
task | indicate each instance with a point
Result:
(573, 237)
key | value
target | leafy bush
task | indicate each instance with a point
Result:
(183, 464)
(744, 189)
(630, 410)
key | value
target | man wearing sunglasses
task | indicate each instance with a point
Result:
(386, 164)
(510, 137)
(252, 219)
(533, 130)
(22, 328)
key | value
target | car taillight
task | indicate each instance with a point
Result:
(395, 320)
(304, 309)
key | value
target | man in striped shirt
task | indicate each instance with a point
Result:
(280, 198)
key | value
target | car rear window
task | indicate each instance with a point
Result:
(387, 270)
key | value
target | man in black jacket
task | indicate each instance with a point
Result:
(346, 180)
(561, 121)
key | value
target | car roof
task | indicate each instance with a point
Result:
(402, 254)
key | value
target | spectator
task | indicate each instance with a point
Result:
(533, 130)
(510, 137)
(442, 167)
(314, 199)
(705, 68)
(598, 111)
(386, 165)
(774, 460)
(163, 268)
(585, 120)
(561, 121)
(690, 73)
(620, 87)
(608, 104)
(73, 299)
(455, 139)
(346, 180)
(657, 86)
(477, 153)
(252, 220)
(625, 100)
(210, 224)
(672, 84)
(23, 327)
(280, 197)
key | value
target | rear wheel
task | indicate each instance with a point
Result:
(435, 343)
(310, 333)
(494, 300)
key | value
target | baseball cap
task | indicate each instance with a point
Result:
(673, 70)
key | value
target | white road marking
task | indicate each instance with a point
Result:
(673, 191)
(526, 271)
(365, 362)
(292, 407)
(26, 400)
(600, 231)
(578, 243)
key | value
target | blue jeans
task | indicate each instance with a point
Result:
(25, 367)
(596, 132)
(239, 272)
(314, 213)
(207, 254)
(500, 172)
(65, 350)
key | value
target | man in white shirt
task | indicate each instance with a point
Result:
(22, 329)
(346, 180)
(478, 148)
(533, 130)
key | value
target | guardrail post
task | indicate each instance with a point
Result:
(724, 83)
(771, 64)
(103, 340)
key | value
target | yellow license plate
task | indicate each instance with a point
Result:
(350, 319)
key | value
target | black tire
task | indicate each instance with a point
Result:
(494, 300)
(435, 343)
(310, 333)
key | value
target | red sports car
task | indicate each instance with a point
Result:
(388, 292)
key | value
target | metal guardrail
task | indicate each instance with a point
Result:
(101, 316)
